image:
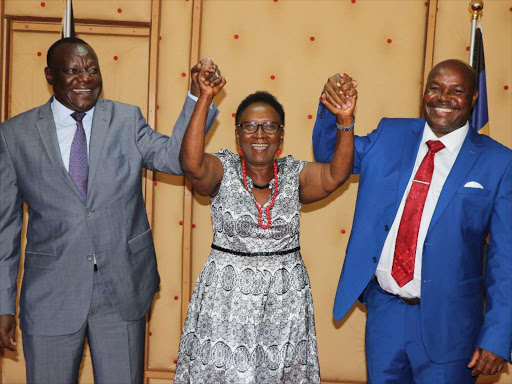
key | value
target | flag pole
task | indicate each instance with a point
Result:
(68, 27)
(475, 8)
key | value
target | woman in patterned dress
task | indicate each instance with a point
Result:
(250, 319)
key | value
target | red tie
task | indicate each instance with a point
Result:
(407, 238)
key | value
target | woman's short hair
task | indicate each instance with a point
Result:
(260, 97)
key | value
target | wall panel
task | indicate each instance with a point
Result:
(30, 86)
(117, 10)
(168, 193)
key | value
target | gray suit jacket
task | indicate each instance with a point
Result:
(65, 232)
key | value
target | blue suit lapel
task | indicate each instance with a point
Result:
(48, 132)
(409, 151)
(466, 159)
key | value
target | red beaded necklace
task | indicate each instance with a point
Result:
(258, 206)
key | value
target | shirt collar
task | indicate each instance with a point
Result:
(61, 113)
(452, 141)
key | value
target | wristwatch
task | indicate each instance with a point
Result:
(346, 129)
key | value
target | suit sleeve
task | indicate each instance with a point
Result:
(324, 138)
(324, 134)
(160, 152)
(11, 219)
(496, 332)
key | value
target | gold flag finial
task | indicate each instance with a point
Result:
(475, 8)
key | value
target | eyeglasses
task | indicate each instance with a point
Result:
(251, 127)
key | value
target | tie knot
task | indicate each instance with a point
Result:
(78, 116)
(435, 145)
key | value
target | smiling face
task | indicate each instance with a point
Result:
(449, 96)
(259, 148)
(74, 74)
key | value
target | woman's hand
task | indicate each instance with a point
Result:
(214, 78)
(340, 97)
(209, 80)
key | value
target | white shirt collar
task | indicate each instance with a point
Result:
(61, 113)
(452, 141)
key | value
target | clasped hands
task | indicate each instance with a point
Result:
(340, 97)
(206, 79)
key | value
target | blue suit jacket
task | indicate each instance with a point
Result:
(454, 277)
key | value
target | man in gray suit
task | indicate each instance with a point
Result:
(90, 267)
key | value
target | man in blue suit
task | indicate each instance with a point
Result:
(430, 192)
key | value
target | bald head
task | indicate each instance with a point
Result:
(450, 93)
(457, 65)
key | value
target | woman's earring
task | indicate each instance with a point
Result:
(240, 152)
(279, 152)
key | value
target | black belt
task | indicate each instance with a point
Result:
(409, 301)
(406, 300)
(238, 253)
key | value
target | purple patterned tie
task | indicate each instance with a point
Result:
(78, 167)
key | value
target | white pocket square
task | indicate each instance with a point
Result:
(473, 184)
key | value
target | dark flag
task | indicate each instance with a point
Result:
(480, 115)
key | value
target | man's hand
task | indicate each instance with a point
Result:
(8, 332)
(485, 362)
(214, 78)
(340, 97)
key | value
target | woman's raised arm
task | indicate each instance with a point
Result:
(203, 170)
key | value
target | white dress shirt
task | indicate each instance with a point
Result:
(443, 162)
(66, 128)
(195, 98)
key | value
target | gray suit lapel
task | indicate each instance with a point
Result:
(48, 132)
(100, 126)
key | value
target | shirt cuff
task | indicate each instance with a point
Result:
(192, 96)
(195, 98)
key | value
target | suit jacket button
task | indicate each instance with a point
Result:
(386, 228)
(88, 213)
(374, 259)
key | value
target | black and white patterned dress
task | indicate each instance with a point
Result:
(250, 319)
